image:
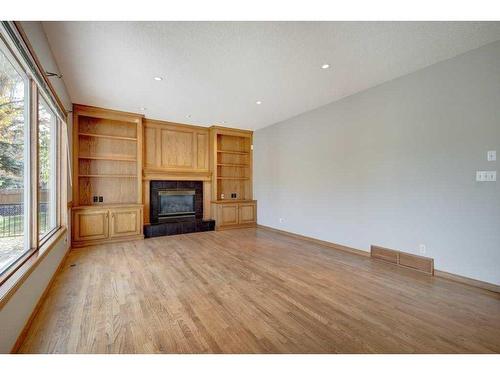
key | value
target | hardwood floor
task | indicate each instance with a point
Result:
(254, 291)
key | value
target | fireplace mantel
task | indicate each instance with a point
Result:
(162, 174)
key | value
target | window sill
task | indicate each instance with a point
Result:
(13, 281)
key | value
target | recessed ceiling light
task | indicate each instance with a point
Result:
(143, 108)
(258, 102)
(188, 116)
(222, 122)
(158, 78)
(325, 66)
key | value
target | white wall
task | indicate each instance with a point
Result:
(15, 314)
(395, 166)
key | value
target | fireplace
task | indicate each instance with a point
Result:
(176, 203)
(176, 207)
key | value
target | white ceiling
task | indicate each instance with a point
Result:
(216, 71)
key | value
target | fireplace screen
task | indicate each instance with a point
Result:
(176, 202)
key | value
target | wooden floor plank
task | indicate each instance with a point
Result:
(254, 291)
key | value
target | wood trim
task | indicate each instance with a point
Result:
(176, 175)
(387, 255)
(467, 281)
(86, 243)
(140, 159)
(33, 166)
(161, 124)
(417, 262)
(235, 226)
(24, 332)
(108, 205)
(402, 259)
(226, 201)
(15, 266)
(232, 131)
(317, 242)
(15, 280)
(102, 113)
(112, 114)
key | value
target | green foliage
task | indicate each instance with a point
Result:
(11, 126)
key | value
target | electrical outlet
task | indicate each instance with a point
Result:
(95, 199)
(491, 175)
(486, 176)
(422, 249)
(101, 199)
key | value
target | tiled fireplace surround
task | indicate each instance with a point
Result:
(180, 225)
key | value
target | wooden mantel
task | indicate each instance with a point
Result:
(176, 175)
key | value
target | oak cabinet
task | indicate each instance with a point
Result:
(125, 222)
(235, 214)
(92, 225)
(228, 214)
(174, 147)
(247, 213)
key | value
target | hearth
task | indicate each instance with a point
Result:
(176, 208)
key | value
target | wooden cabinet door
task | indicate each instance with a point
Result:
(125, 222)
(247, 213)
(91, 224)
(228, 214)
(174, 147)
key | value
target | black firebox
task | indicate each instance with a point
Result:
(176, 208)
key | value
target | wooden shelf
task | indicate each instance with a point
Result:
(233, 152)
(107, 160)
(232, 165)
(107, 136)
(224, 201)
(108, 175)
(233, 178)
(118, 158)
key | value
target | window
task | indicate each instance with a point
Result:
(47, 207)
(13, 169)
(29, 163)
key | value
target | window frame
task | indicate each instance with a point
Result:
(54, 191)
(35, 248)
(17, 66)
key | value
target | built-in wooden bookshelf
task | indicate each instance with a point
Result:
(232, 196)
(107, 175)
(233, 164)
(107, 151)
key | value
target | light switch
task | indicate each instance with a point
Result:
(492, 155)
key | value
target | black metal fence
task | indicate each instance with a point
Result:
(12, 219)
